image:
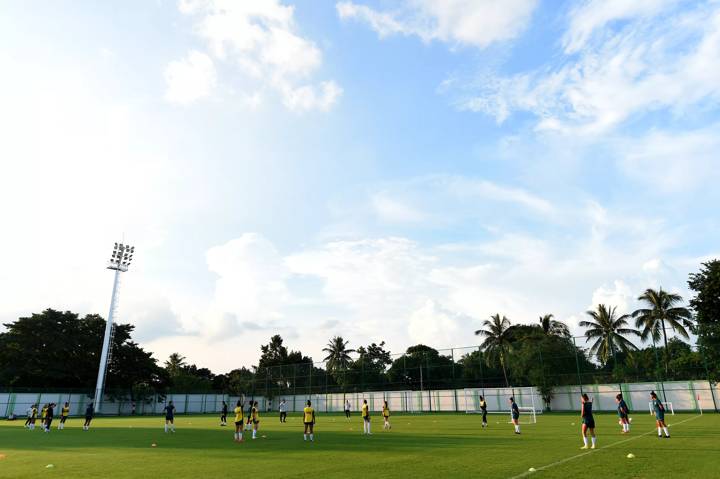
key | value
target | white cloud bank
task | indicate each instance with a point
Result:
(474, 23)
(259, 44)
(608, 74)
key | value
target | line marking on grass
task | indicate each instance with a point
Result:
(577, 456)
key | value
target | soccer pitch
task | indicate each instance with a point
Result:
(428, 445)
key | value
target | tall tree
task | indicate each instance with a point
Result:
(706, 304)
(175, 364)
(338, 358)
(553, 327)
(497, 340)
(60, 349)
(662, 310)
(609, 331)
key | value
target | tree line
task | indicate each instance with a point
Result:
(60, 350)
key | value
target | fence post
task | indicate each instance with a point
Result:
(454, 383)
(712, 388)
(482, 379)
(577, 365)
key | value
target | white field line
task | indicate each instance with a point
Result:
(577, 456)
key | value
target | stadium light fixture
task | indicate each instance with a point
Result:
(122, 256)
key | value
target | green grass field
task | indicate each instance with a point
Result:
(440, 445)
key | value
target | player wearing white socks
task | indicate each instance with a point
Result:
(386, 417)
(659, 409)
(255, 412)
(515, 414)
(89, 411)
(588, 421)
(170, 417)
(623, 413)
(32, 417)
(366, 417)
(239, 421)
(64, 413)
(309, 422)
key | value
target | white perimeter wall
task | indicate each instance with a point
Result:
(685, 396)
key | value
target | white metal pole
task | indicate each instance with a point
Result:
(106, 346)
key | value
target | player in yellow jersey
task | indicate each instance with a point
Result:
(386, 417)
(64, 413)
(255, 413)
(309, 422)
(366, 417)
(43, 414)
(238, 421)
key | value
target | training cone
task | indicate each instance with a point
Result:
(49, 466)
(532, 469)
(2, 456)
(630, 456)
(153, 445)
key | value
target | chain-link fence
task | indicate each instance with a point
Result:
(554, 369)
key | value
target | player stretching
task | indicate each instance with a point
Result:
(659, 415)
(255, 412)
(386, 417)
(238, 421)
(49, 413)
(29, 412)
(623, 413)
(588, 421)
(309, 422)
(223, 414)
(169, 417)
(483, 408)
(515, 414)
(64, 413)
(89, 411)
(366, 417)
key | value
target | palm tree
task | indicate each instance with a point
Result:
(552, 327)
(609, 331)
(174, 364)
(497, 339)
(662, 310)
(338, 357)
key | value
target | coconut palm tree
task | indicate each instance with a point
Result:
(662, 310)
(553, 327)
(609, 331)
(338, 358)
(175, 364)
(497, 339)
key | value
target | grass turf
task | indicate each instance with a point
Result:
(439, 445)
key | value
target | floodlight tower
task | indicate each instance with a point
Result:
(119, 262)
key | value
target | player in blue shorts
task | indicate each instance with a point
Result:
(588, 421)
(623, 413)
(659, 409)
(515, 414)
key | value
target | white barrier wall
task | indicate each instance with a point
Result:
(685, 396)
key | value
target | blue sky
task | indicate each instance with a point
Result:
(383, 170)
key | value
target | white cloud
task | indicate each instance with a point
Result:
(258, 43)
(392, 210)
(588, 17)
(190, 79)
(476, 23)
(618, 295)
(671, 64)
(672, 161)
(433, 324)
